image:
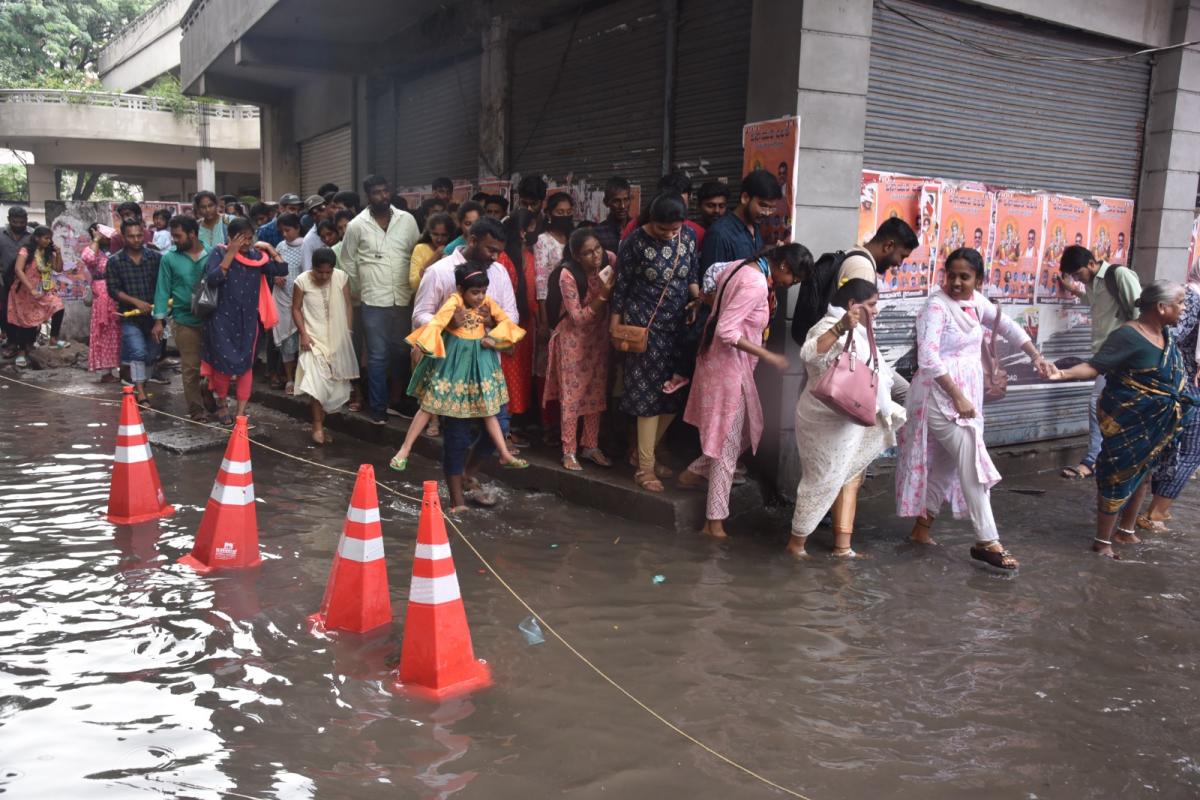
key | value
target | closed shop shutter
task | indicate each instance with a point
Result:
(326, 158)
(437, 124)
(940, 108)
(712, 70)
(381, 129)
(599, 112)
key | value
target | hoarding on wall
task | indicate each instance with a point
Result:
(1013, 267)
(69, 223)
(965, 220)
(774, 145)
(1193, 273)
(1066, 224)
(1111, 226)
(997, 221)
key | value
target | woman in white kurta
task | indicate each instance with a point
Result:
(942, 453)
(835, 451)
(322, 312)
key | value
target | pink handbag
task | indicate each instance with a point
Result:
(848, 386)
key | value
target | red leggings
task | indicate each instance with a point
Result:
(219, 383)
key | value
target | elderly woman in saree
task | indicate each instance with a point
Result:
(942, 453)
(1144, 406)
(834, 450)
(724, 402)
(1175, 471)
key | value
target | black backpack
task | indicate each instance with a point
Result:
(812, 301)
(1110, 283)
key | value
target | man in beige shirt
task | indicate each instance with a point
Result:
(375, 255)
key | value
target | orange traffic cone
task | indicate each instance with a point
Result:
(356, 597)
(135, 494)
(228, 535)
(437, 660)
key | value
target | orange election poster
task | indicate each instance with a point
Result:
(867, 204)
(966, 221)
(913, 200)
(773, 145)
(1066, 224)
(1017, 248)
(1112, 221)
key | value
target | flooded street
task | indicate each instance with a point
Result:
(908, 675)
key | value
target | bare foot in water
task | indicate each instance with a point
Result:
(1126, 538)
(715, 528)
(922, 532)
(795, 547)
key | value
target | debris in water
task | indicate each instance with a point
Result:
(531, 631)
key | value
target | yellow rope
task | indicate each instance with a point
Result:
(488, 566)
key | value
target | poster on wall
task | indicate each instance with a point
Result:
(1066, 224)
(1111, 224)
(868, 202)
(913, 200)
(1193, 273)
(774, 145)
(965, 220)
(1019, 220)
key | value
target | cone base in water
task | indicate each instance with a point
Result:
(316, 624)
(204, 569)
(115, 519)
(481, 679)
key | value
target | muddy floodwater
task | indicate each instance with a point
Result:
(908, 675)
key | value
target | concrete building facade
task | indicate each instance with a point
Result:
(479, 89)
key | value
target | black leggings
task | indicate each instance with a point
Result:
(25, 338)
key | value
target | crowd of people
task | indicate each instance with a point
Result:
(485, 325)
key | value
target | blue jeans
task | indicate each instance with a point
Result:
(138, 350)
(1095, 438)
(462, 438)
(385, 349)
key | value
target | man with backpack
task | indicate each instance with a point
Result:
(1112, 290)
(892, 243)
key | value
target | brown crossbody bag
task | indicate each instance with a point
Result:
(635, 338)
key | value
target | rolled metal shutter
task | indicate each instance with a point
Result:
(437, 124)
(381, 129)
(326, 158)
(943, 108)
(712, 70)
(605, 115)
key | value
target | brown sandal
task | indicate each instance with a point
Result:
(1000, 562)
(647, 481)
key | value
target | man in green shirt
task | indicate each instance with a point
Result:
(178, 273)
(1112, 290)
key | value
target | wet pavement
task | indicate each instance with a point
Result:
(907, 675)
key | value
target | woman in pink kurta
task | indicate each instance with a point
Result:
(104, 337)
(724, 402)
(577, 371)
(548, 252)
(942, 452)
(33, 298)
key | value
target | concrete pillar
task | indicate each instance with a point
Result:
(1166, 201)
(793, 45)
(493, 118)
(206, 174)
(43, 184)
(280, 154)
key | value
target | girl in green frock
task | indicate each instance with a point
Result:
(460, 375)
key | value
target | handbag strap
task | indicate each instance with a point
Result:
(670, 277)
(991, 345)
(849, 347)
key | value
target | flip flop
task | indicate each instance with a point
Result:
(671, 387)
(398, 464)
(22, 362)
(1073, 473)
(516, 463)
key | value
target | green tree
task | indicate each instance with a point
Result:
(14, 183)
(74, 185)
(57, 42)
